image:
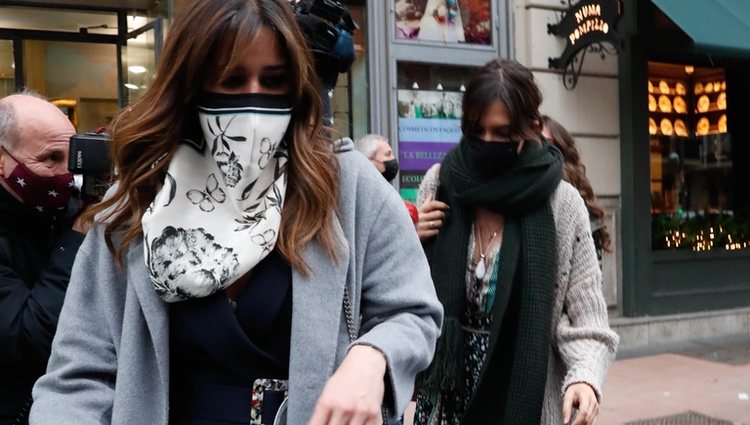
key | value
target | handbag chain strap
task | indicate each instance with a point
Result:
(349, 315)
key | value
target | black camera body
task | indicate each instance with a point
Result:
(328, 28)
(89, 156)
(330, 10)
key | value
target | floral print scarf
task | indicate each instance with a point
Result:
(218, 212)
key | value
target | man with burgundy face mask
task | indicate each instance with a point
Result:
(37, 242)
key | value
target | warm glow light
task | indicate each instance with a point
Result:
(689, 69)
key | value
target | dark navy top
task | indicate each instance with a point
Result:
(216, 354)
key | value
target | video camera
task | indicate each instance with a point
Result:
(328, 28)
(89, 156)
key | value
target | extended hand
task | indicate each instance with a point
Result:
(581, 396)
(431, 215)
(80, 225)
(354, 394)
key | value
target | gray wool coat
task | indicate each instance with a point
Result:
(110, 357)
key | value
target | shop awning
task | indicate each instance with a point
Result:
(716, 26)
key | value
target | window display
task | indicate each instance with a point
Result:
(449, 21)
(429, 118)
(692, 197)
(7, 68)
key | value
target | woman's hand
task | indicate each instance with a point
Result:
(354, 394)
(431, 214)
(583, 397)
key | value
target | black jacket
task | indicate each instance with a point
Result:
(36, 255)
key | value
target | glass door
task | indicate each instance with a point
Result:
(79, 77)
(139, 56)
(7, 68)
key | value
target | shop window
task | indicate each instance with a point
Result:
(139, 63)
(7, 68)
(55, 19)
(693, 201)
(81, 78)
(429, 118)
(447, 21)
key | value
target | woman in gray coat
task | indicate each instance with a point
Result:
(240, 270)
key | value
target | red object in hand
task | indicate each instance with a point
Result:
(413, 212)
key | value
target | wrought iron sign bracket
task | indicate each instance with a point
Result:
(588, 26)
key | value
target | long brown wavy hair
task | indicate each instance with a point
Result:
(146, 134)
(574, 172)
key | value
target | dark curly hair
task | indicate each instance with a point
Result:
(574, 172)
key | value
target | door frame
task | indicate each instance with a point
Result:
(157, 25)
(19, 35)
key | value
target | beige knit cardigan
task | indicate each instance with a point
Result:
(582, 344)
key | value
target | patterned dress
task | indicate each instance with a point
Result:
(447, 408)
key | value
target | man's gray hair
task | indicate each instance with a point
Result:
(9, 134)
(8, 126)
(367, 144)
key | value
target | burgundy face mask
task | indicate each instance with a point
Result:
(47, 195)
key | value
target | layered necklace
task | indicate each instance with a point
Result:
(481, 265)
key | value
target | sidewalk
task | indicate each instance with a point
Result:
(710, 379)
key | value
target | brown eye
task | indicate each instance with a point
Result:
(233, 81)
(274, 81)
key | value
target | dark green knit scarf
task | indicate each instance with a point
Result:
(511, 386)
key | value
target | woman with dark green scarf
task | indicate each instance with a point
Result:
(526, 339)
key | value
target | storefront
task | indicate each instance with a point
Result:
(89, 58)
(661, 129)
(683, 115)
(434, 47)
(92, 57)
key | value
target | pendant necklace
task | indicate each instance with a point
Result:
(481, 268)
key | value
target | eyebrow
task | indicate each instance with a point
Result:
(49, 150)
(274, 68)
(221, 70)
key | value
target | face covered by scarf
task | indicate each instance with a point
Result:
(219, 210)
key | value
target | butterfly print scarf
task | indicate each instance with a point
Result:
(218, 212)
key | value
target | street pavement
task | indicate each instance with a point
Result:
(694, 383)
(709, 378)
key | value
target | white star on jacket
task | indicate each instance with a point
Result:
(21, 182)
(52, 193)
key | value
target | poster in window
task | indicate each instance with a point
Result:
(448, 21)
(429, 125)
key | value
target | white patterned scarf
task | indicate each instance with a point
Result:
(218, 213)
